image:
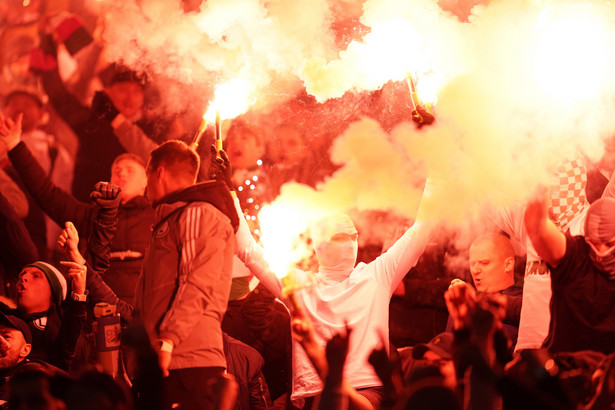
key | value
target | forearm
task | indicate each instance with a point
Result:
(132, 137)
(394, 264)
(99, 242)
(66, 105)
(14, 195)
(18, 249)
(547, 240)
(100, 292)
(55, 202)
(252, 255)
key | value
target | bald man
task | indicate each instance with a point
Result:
(492, 266)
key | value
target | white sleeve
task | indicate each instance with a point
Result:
(251, 254)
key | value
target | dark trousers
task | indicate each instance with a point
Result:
(190, 389)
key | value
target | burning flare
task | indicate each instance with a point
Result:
(230, 100)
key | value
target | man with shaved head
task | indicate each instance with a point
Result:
(492, 266)
(492, 262)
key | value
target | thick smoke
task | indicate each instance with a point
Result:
(264, 44)
(522, 86)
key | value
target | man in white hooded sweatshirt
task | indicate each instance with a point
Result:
(342, 295)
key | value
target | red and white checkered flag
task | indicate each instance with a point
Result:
(568, 193)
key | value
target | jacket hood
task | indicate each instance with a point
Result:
(214, 192)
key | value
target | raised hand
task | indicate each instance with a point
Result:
(460, 301)
(68, 242)
(10, 131)
(77, 274)
(220, 167)
(106, 195)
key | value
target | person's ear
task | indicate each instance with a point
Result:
(509, 264)
(25, 350)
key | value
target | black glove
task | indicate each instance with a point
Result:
(106, 195)
(220, 168)
(103, 107)
(422, 117)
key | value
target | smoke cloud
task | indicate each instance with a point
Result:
(521, 86)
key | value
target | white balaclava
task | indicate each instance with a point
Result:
(600, 228)
(334, 240)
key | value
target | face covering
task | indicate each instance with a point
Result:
(600, 229)
(604, 261)
(336, 246)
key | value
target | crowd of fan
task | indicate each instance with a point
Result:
(200, 311)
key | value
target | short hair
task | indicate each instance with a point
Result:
(129, 156)
(177, 158)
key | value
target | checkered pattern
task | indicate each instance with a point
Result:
(568, 193)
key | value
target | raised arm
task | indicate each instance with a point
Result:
(14, 195)
(56, 203)
(17, 250)
(247, 250)
(98, 291)
(548, 241)
(43, 62)
(395, 263)
(65, 345)
(107, 196)
(132, 137)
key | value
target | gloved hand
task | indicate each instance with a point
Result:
(422, 117)
(220, 168)
(106, 195)
(103, 107)
(44, 58)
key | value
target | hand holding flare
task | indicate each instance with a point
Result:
(420, 115)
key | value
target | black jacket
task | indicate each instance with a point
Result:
(98, 144)
(57, 336)
(100, 230)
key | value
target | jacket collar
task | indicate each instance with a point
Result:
(213, 192)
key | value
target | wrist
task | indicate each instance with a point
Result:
(12, 143)
(75, 256)
(79, 295)
(164, 345)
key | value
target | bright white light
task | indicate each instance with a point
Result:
(230, 100)
(569, 59)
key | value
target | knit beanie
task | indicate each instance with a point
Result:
(56, 280)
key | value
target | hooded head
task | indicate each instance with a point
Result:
(334, 238)
(600, 235)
